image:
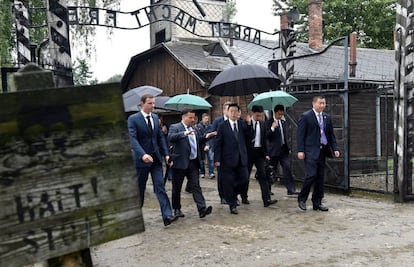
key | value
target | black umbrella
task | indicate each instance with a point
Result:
(244, 80)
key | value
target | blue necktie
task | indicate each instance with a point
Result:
(193, 144)
(324, 141)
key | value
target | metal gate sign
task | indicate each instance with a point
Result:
(162, 12)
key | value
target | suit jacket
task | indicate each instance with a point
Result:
(214, 127)
(309, 135)
(181, 146)
(143, 142)
(274, 146)
(228, 149)
(215, 124)
(253, 136)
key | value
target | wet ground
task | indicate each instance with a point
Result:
(357, 231)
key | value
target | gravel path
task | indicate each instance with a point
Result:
(355, 232)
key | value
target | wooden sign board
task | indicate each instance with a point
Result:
(67, 177)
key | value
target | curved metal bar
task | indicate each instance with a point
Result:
(148, 15)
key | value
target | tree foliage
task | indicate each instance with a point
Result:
(373, 20)
(7, 42)
(81, 73)
(82, 36)
(231, 10)
(114, 79)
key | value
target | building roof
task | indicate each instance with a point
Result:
(373, 65)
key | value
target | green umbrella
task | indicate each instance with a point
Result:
(180, 102)
(270, 99)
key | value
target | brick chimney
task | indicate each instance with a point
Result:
(315, 25)
(284, 21)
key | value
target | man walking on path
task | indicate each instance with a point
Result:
(207, 150)
(185, 154)
(213, 127)
(315, 141)
(277, 147)
(230, 155)
(256, 152)
(150, 149)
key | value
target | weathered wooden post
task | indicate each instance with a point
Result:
(67, 180)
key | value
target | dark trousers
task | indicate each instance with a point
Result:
(287, 178)
(257, 158)
(192, 174)
(315, 171)
(220, 183)
(233, 181)
(158, 183)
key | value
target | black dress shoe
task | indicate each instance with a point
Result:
(233, 210)
(178, 213)
(290, 193)
(270, 202)
(302, 205)
(205, 211)
(320, 207)
(245, 201)
(168, 220)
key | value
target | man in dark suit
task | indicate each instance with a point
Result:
(277, 147)
(185, 155)
(212, 128)
(256, 151)
(316, 141)
(206, 151)
(150, 149)
(230, 155)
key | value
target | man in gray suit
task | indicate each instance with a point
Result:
(185, 155)
(150, 149)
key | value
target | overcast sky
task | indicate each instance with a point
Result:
(113, 54)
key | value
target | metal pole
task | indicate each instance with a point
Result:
(346, 114)
(378, 123)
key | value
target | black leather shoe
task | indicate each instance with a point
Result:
(205, 211)
(320, 207)
(270, 202)
(245, 201)
(302, 205)
(178, 213)
(233, 210)
(290, 193)
(169, 220)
